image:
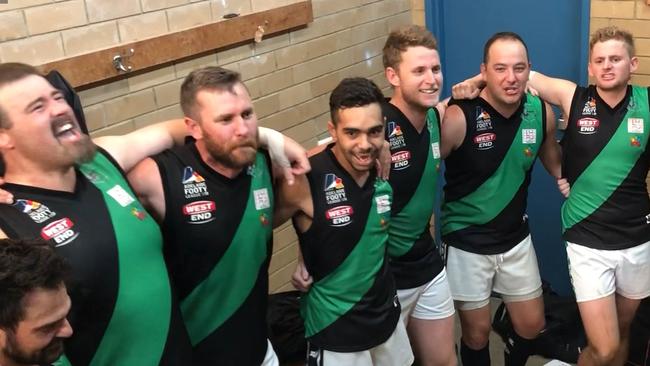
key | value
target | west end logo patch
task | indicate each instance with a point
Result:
(485, 141)
(339, 216)
(400, 159)
(199, 212)
(60, 231)
(588, 126)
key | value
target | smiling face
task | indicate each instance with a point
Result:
(38, 337)
(41, 126)
(505, 71)
(611, 65)
(359, 134)
(418, 77)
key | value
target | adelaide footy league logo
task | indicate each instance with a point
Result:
(483, 120)
(395, 136)
(37, 211)
(334, 189)
(193, 183)
(589, 109)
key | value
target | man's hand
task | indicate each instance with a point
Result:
(384, 161)
(285, 153)
(301, 279)
(563, 186)
(468, 89)
(5, 196)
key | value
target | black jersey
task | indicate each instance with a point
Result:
(414, 175)
(487, 177)
(218, 237)
(123, 310)
(606, 163)
(352, 304)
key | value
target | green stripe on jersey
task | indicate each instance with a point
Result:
(322, 305)
(496, 193)
(593, 187)
(406, 226)
(231, 280)
(138, 329)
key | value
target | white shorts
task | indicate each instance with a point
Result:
(599, 273)
(270, 359)
(396, 351)
(430, 301)
(513, 274)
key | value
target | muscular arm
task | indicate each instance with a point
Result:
(130, 149)
(453, 129)
(550, 153)
(147, 184)
(293, 200)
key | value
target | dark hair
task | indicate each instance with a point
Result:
(9, 73)
(207, 78)
(26, 265)
(351, 93)
(404, 37)
(507, 36)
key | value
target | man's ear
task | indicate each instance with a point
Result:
(3, 338)
(332, 130)
(194, 128)
(6, 142)
(392, 77)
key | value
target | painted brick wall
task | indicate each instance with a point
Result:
(289, 76)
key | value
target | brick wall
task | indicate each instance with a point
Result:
(633, 15)
(289, 76)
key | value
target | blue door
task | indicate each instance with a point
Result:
(556, 33)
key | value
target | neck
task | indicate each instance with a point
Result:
(359, 176)
(417, 116)
(504, 109)
(217, 166)
(612, 96)
(7, 362)
(30, 174)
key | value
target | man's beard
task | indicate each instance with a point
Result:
(46, 355)
(82, 151)
(233, 155)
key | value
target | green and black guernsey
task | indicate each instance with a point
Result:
(218, 242)
(487, 177)
(415, 166)
(123, 309)
(352, 305)
(606, 163)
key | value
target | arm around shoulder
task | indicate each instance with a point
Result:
(147, 183)
(553, 90)
(291, 199)
(550, 153)
(453, 129)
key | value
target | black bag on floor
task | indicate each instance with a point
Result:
(640, 336)
(286, 327)
(563, 337)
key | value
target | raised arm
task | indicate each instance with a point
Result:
(130, 149)
(556, 91)
(453, 129)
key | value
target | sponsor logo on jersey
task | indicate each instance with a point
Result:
(60, 231)
(400, 159)
(588, 126)
(485, 141)
(589, 108)
(395, 136)
(635, 141)
(199, 212)
(383, 203)
(120, 195)
(528, 135)
(528, 152)
(262, 200)
(264, 219)
(139, 214)
(635, 125)
(435, 150)
(193, 184)
(483, 120)
(334, 189)
(36, 210)
(339, 216)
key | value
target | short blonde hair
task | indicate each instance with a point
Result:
(612, 32)
(404, 37)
